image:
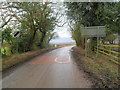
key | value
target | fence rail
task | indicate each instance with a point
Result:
(112, 46)
(111, 51)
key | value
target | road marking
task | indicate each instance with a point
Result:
(56, 59)
(62, 62)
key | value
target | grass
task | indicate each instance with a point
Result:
(101, 69)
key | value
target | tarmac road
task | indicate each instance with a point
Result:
(54, 69)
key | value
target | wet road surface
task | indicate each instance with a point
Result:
(54, 69)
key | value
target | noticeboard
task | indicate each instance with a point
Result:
(93, 31)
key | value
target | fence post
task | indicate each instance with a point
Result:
(85, 47)
(97, 46)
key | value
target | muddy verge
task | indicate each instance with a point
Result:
(95, 70)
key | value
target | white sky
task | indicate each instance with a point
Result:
(63, 31)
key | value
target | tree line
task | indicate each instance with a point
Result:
(27, 25)
(85, 14)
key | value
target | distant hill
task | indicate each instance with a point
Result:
(62, 40)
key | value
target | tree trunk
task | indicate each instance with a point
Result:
(31, 40)
(42, 39)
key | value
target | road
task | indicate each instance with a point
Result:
(54, 69)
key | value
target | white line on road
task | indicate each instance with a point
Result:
(56, 59)
(62, 62)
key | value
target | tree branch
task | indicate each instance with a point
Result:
(9, 7)
(61, 25)
(5, 23)
(70, 27)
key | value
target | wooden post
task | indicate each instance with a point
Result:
(85, 47)
(97, 46)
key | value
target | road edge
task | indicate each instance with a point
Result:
(40, 52)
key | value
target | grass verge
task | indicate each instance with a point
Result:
(103, 72)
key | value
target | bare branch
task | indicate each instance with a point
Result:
(61, 25)
(5, 23)
(70, 27)
(59, 17)
(11, 6)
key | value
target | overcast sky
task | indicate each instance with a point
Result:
(64, 34)
(64, 30)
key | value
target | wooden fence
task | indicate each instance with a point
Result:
(113, 51)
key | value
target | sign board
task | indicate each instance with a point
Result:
(93, 31)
